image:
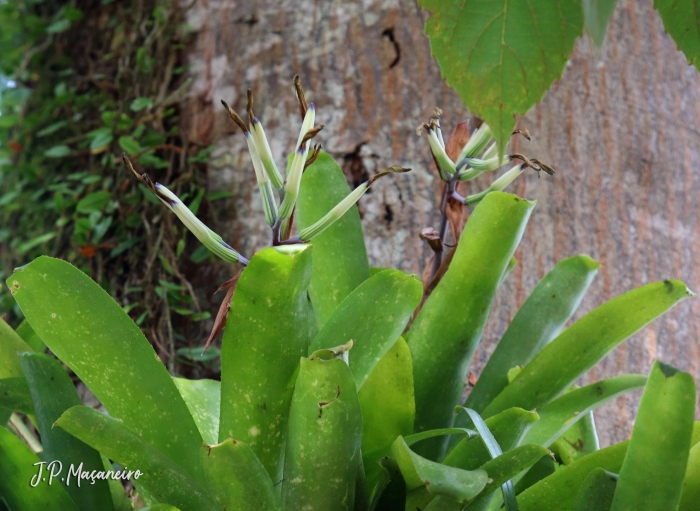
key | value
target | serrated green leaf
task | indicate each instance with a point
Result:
(448, 328)
(681, 22)
(340, 256)
(500, 56)
(651, 477)
(584, 343)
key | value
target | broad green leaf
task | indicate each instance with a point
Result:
(57, 151)
(597, 14)
(500, 56)
(508, 428)
(543, 468)
(373, 316)
(17, 468)
(386, 398)
(651, 477)
(505, 467)
(91, 333)
(448, 328)
(203, 399)
(140, 103)
(237, 479)
(325, 432)
(15, 395)
(691, 484)
(558, 492)
(101, 139)
(160, 507)
(681, 23)
(541, 318)
(129, 144)
(339, 254)
(438, 479)
(53, 392)
(96, 201)
(28, 335)
(160, 476)
(10, 345)
(557, 416)
(597, 490)
(582, 345)
(268, 334)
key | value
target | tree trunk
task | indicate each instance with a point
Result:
(619, 127)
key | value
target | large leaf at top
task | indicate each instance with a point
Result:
(541, 318)
(53, 392)
(322, 457)
(448, 328)
(162, 478)
(681, 21)
(651, 478)
(502, 56)
(266, 335)
(373, 316)
(557, 416)
(340, 255)
(17, 468)
(237, 479)
(92, 334)
(582, 345)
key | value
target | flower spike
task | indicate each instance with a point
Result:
(497, 186)
(206, 236)
(291, 188)
(342, 207)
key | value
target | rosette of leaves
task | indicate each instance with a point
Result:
(330, 397)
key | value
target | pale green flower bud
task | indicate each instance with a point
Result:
(445, 164)
(497, 186)
(293, 184)
(206, 236)
(265, 154)
(266, 194)
(343, 206)
(477, 142)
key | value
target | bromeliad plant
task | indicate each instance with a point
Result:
(328, 400)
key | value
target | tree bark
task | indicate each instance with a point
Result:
(620, 128)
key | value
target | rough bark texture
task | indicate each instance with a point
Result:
(620, 127)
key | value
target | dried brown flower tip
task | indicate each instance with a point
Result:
(236, 118)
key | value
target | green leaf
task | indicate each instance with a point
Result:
(448, 328)
(57, 151)
(541, 318)
(691, 484)
(581, 438)
(596, 492)
(10, 345)
(203, 398)
(95, 201)
(28, 335)
(140, 103)
(15, 395)
(587, 341)
(91, 333)
(101, 139)
(597, 14)
(500, 56)
(560, 414)
(681, 23)
(505, 467)
(129, 144)
(269, 318)
(35, 242)
(52, 128)
(651, 477)
(325, 431)
(160, 507)
(373, 316)
(438, 479)
(340, 256)
(58, 26)
(159, 475)
(17, 468)
(53, 392)
(386, 398)
(558, 492)
(237, 479)
(507, 428)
